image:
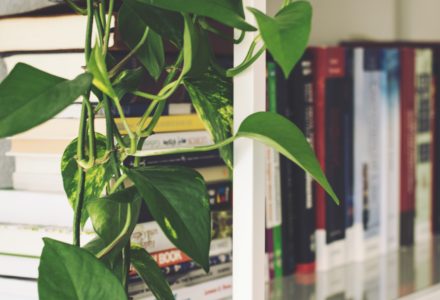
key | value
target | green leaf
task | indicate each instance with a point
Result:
(96, 177)
(109, 217)
(98, 68)
(282, 135)
(211, 95)
(132, 27)
(113, 260)
(178, 200)
(229, 12)
(128, 81)
(166, 23)
(29, 97)
(196, 52)
(68, 272)
(286, 35)
(150, 273)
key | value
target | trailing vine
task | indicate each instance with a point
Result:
(95, 178)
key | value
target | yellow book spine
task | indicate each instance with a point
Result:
(166, 123)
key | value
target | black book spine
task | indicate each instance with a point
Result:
(301, 97)
(287, 194)
(191, 160)
(436, 152)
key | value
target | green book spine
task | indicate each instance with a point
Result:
(276, 225)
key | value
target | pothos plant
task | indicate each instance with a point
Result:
(94, 175)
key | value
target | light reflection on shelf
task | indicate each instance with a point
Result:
(384, 278)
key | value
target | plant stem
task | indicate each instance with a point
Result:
(185, 150)
(121, 235)
(76, 8)
(81, 179)
(119, 182)
(107, 26)
(81, 136)
(245, 64)
(119, 65)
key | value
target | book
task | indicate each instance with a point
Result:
(369, 152)
(68, 128)
(407, 138)
(13, 7)
(298, 107)
(61, 32)
(273, 190)
(424, 122)
(329, 69)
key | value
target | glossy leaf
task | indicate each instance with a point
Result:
(132, 28)
(211, 95)
(178, 200)
(98, 68)
(196, 52)
(167, 24)
(150, 273)
(128, 81)
(68, 272)
(286, 35)
(229, 12)
(29, 97)
(109, 217)
(279, 133)
(113, 260)
(96, 177)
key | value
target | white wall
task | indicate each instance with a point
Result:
(336, 20)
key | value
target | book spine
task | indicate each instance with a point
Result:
(303, 210)
(436, 152)
(284, 107)
(424, 104)
(330, 222)
(185, 267)
(407, 138)
(320, 74)
(392, 67)
(348, 140)
(138, 109)
(274, 215)
(177, 123)
(177, 140)
(373, 170)
(191, 159)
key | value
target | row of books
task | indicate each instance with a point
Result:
(368, 109)
(32, 200)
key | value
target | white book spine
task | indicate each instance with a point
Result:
(356, 243)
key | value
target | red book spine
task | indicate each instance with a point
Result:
(329, 63)
(320, 72)
(408, 123)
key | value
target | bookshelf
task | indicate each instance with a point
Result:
(333, 21)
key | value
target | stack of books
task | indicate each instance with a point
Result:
(30, 162)
(369, 111)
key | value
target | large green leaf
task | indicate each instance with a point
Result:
(282, 135)
(166, 23)
(150, 273)
(229, 12)
(286, 35)
(109, 216)
(178, 200)
(132, 27)
(68, 272)
(97, 66)
(196, 52)
(211, 95)
(29, 97)
(96, 177)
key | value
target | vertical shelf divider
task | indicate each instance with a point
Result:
(249, 268)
